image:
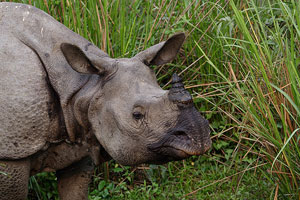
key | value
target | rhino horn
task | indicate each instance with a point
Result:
(178, 94)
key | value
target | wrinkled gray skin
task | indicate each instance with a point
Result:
(65, 106)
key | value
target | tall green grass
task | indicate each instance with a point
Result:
(271, 94)
(263, 77)
(240, 62)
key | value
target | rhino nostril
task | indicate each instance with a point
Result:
(181, 135)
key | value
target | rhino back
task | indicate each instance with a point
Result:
(28, 114)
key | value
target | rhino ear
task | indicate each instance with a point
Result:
(88, 62)
(163, 52)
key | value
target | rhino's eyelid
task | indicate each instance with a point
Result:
(138, 115)
(139, 108)
(139, 105)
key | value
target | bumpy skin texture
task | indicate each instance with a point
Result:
(14, 179)
(64, 102)
(25, 121)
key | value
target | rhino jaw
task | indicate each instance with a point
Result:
(178, 145)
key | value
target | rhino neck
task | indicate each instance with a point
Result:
(76, 108)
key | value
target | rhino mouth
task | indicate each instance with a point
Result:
(178, 145)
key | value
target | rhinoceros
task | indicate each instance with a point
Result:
(66, 106)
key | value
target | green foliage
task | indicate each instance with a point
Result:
(241, 64)
(270, 96)
(180, 179)
(43, 186)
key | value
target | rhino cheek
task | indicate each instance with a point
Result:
(119, 145)
(103, 130)
(122, 148)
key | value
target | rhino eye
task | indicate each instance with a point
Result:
(137, 115)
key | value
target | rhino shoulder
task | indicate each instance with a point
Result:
(29, 116)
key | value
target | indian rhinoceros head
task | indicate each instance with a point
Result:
(133, 118)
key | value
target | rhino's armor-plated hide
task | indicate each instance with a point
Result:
(66, 106)
(31, 58)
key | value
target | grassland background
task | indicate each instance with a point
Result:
(241, 64)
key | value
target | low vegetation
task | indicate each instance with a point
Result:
(241, 64)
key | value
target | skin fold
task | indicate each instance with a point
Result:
(66, 106)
